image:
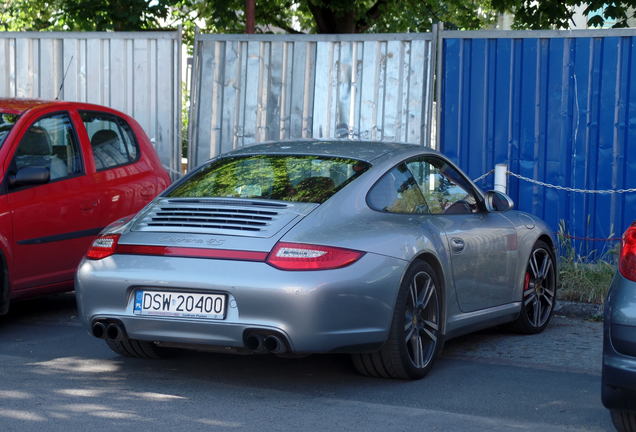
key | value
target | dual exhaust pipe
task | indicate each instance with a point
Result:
(257, 342)
(108, 330)
(271, 343)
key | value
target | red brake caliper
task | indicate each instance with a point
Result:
(526, 282)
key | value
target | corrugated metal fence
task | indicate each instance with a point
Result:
(248, 89)
(559, 107)
(137, 73)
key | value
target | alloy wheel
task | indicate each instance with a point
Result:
(421, 320)
(539, 287)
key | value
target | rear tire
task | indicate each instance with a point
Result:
(415, 337)
(624, 421)
(539, 291)
(135, 348)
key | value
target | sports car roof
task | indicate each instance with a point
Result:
(361, 150)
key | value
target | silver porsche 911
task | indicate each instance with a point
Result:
(379, 250)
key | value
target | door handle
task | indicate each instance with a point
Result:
(457, 244)
(88, 206)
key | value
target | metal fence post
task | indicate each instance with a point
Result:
(501, 179)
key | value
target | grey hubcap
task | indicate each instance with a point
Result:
(538, 293)
(421, 320)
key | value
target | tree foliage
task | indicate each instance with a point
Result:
(537, 15)
(294, 16)
(342, 16)
(82, 15)
(227, 16)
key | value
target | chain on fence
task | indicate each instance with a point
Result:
(570, 189)
(563, 188)
(483, 176)
(567, 189)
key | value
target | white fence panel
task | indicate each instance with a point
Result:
(134, 72)
(252, 88)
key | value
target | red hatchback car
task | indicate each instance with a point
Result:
(68, 170)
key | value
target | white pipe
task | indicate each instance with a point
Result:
(501, 179)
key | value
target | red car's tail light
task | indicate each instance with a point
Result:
(297, 256)
(627, 259)
(103, 246)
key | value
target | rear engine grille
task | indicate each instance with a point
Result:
(250, 220)
(215, 218)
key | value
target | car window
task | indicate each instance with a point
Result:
(444, 188)
(278, 177)
(112, 140)
(397, 192)
(7, 120)
(50, 142)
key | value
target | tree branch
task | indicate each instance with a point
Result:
(371, 15)
(321, 23)
(283, 25)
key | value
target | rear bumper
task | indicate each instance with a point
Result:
(619, 346)
(344, 309)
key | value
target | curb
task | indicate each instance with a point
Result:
(579, 310)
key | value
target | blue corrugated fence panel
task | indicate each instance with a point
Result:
(559, 109)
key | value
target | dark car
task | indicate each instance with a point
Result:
(619, 339)
(68, 170)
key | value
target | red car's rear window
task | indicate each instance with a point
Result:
(7, 120)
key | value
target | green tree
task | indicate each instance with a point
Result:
(294, 16)
(83, 15)
(343, 16)
(558, 14)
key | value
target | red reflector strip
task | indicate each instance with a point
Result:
(191, 252)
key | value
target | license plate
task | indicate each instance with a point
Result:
(178, 304)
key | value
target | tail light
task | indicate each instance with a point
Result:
(284, 256)
(103, 246)
(627, 260)
(297, 256)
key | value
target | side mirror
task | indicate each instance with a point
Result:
(30, 175)
(498, 201)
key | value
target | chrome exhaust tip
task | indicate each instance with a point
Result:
(99, 330)
(254, 342)
(113, 332)
(274, 344)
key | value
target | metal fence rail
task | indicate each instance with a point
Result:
(248, 89)
(559, 107)
(137, 73)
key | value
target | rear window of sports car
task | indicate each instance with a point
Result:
(297, 178)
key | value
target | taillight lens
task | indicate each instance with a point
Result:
(103, 246)
(627, 260)
(298, 256)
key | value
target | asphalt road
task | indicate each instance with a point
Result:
(55, 377)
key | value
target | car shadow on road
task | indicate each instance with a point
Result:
(58, 307)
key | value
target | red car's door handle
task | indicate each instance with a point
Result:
(88, 206)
